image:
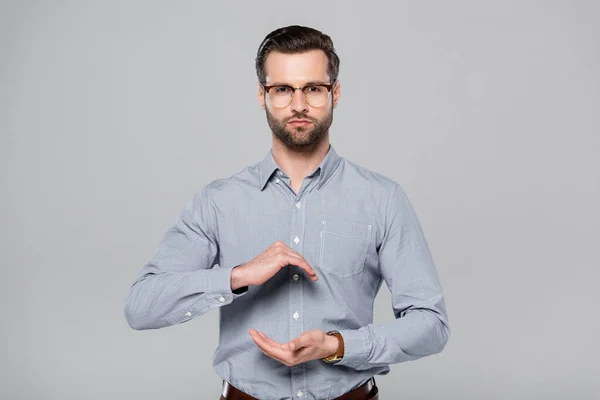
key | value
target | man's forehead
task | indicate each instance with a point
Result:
(296, 68)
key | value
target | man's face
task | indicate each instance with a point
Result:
(297, 70)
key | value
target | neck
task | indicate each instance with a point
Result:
(299, 162)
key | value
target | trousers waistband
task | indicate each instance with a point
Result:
(366, 391)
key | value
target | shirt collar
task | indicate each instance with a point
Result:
(328, 165)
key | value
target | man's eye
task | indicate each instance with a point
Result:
(282, 89)
(314, 89)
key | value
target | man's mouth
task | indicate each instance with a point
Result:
(299, 121)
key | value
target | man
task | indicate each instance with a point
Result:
(293, 250)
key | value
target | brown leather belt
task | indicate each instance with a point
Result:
(367, 391)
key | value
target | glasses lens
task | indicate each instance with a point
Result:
(316, 96)
(280, 96)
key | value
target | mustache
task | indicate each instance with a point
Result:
(300, 116)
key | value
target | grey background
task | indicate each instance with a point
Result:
(114, 113)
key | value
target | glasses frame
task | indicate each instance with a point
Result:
(328, 86)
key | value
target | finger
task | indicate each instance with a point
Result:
(272, 350)
(304, 340)
(260, 342)
(262, 345)
(285, 249)
(297, 259)
(264, 340)
(294, 258)
(269, 340)
(266, 351)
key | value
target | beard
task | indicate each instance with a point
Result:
(300, 136)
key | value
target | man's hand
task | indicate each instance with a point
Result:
(311, 345)
(268, 263)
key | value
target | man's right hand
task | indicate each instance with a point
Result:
(268, 263)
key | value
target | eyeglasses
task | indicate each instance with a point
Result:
(282, 95)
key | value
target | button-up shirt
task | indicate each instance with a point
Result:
(355, 227)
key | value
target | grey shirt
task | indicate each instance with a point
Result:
(355, 227)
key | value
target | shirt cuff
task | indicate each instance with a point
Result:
(217, 293)
(219, 286)
(356, 347)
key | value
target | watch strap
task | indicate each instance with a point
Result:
(340, 353)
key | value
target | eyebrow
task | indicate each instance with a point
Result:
(306, 84)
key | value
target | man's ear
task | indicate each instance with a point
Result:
(336, 93)
(260, 95)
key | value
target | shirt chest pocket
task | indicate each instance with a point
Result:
(344, 246)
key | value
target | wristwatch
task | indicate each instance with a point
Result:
(340, 353)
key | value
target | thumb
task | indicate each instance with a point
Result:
(303, 340)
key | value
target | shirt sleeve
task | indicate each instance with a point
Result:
(420, 327)
(182, 280)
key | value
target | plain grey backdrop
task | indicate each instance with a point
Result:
(114, 113)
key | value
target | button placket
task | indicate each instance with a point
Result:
(298, 208)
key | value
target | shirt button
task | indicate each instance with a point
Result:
(222, 299)
(280, 173)
(296, 315)
(298, 205)
(299, 393)
(296, 239)
(277, 180)
(296, 277)
(187, 314)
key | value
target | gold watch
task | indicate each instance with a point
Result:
(340, 353)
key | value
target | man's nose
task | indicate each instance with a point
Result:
(298, 102)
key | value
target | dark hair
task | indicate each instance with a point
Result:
(296, 39)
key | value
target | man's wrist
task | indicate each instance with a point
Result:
(237, 278)
(338, 346)
(332, 344)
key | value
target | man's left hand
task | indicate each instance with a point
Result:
(311, 345)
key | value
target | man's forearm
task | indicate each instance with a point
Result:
(418, 334)
(158, 300)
